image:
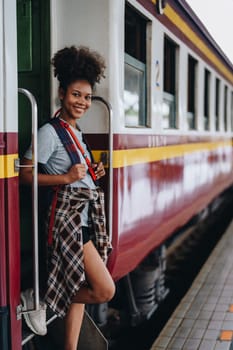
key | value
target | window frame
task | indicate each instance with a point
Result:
(217, 103)
(206, 109)
(136, 56)
(225, 108)
(191, 92)
(170, 96)
(142, 112)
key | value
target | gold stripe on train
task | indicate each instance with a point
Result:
(7, 166)
(193, 37)
(122, 158)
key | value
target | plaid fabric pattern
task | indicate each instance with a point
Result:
(65, 261)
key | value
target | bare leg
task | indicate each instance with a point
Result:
(100, 289)
(100, 286)
(73, 322)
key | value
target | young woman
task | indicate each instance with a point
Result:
(78, 244)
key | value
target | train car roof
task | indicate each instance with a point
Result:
(200, 28)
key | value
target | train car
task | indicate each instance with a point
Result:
(162, 121)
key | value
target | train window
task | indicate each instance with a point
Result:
(24, 28)
(206, 99)
(232, 111)
(169, 84)
(225, 108)
(192, 68)
(217, 99)
(134, 96)
(135, 68)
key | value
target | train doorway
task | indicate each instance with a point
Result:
(33, 63)
(33, 41)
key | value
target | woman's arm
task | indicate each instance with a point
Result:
(76, 172)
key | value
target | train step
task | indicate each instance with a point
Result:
(54, 339)
(96, 340)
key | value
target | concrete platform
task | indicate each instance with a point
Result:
(204, 318)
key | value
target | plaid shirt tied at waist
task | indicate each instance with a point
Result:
(65, 263)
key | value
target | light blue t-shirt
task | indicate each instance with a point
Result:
(55, 159)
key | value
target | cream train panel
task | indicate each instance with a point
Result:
(8, 67)
(70, 26)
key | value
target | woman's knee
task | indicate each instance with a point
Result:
(105, 293)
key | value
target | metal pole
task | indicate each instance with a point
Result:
(110, 138)
(34, 108)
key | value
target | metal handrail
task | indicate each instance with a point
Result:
(34, 109)
(110, 139)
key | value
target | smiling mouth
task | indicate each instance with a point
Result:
(79, 109)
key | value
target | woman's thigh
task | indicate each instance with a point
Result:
(97, 274)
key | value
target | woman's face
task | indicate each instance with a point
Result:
(75, 100)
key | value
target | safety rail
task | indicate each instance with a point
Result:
(34, 111)
(110, 140)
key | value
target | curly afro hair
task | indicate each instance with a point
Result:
(78, 63)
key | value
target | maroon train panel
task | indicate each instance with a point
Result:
(10, 241)
(152, 200)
